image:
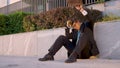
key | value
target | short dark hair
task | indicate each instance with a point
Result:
(75, 19)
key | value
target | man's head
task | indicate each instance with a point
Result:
(74, 23)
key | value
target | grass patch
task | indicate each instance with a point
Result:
(109, 18)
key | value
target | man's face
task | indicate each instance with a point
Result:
(76, 25)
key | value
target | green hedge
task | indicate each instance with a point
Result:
(56, 18)
(12, 23)
(3, 20)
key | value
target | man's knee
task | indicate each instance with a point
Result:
(62, 37)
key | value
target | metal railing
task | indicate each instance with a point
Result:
(37, 6)
(86, 2)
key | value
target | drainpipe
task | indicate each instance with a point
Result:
(105, 8)
(8, 2)
(47, 5)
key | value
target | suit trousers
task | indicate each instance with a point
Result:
(64, 41)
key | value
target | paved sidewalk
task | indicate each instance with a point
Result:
(32, 62)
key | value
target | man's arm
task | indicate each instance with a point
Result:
(86, 13)
(68, 33)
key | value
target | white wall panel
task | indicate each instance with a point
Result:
(107, 36)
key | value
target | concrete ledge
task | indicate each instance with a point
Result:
(31, 43)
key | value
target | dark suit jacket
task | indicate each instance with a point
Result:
(89, 19)
(85, 33)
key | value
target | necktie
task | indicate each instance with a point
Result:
(78, 36)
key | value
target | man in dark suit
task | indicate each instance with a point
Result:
(82, 45)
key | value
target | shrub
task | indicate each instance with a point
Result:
(56, 18)
(3, 20)
(110, 18)
(12, 23)
(15, 22)
(47, 20)
(100, 1)
(27, 24)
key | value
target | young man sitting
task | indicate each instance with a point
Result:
(82, 46)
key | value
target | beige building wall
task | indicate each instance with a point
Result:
(13, 1)
(3, 3)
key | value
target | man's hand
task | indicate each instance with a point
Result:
(94, 57)
(81, 9)
(69, 24)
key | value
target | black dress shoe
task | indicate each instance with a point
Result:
(46, 58)
(70, 60)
